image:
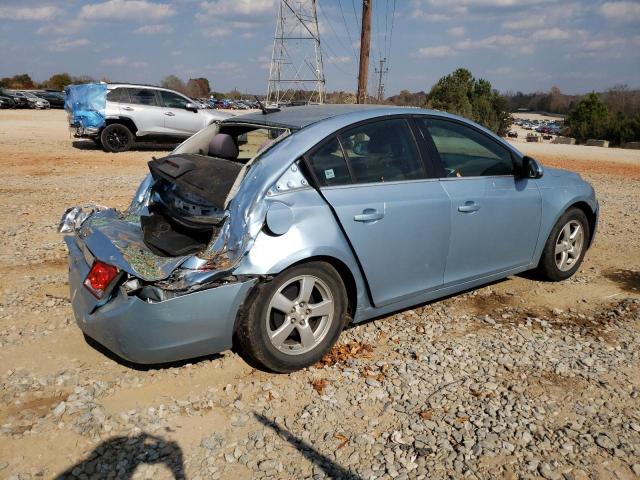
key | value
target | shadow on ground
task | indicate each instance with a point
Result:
(141, 147)
(122, 455)
(628, 280)
(328, 466)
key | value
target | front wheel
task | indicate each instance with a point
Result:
(293, 320)
(565, 248)
(116, 138)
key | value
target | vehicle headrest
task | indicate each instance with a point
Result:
(223, 146)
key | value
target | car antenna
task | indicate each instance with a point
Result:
(264, 109)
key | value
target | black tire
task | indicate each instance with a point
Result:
(251, 333)
(548, 267)
(116, 138)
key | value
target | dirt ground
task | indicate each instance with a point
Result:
(44, 172)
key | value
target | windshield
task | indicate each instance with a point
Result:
(252, 140)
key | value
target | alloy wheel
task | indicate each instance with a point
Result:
(117, 139)
(569, 245)
(300, 314)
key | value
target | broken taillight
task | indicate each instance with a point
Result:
(99, 278)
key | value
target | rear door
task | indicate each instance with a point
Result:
(495, 213)
(177, 119)
(395, 217)
(142, 105)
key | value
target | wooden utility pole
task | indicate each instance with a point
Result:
(365, 47)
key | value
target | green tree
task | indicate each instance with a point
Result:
(589, 118)
(58, 81)
(461, 94)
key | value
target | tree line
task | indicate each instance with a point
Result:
(612, 115)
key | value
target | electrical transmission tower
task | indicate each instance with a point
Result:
(382, 75)
(296, 72)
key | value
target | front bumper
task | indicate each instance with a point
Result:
(192, 325)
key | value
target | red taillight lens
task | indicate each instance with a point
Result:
(99, 278)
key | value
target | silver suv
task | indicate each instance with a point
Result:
(141, 112)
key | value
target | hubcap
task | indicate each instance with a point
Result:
(569, 245)
(299, 315)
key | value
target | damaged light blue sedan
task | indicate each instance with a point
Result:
(272, 231)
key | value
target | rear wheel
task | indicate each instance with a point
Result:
(294, 319)
(116, 138)
(565, 248)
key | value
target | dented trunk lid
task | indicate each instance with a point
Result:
(118, 240)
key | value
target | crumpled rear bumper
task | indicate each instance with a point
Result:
(192, 325)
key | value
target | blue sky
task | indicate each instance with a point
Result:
(524, 45)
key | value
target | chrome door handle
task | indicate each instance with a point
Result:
(469, 207)
(170, 114)
(127, 108)
(368, 215)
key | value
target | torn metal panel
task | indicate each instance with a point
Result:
(118, 239)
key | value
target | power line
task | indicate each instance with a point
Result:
(333, 29)
(346, 26)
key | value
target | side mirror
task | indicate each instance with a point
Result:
(531, 168)
(191, 107)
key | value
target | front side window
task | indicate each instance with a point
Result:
(382, 152)
(329, 165)
(173, 100)
(143, 96)
(465, 152)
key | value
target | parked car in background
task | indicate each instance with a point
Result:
(55, 99)
(272, 231)
(7, 102)
(19, 101)
(33, 100)
(116, 115)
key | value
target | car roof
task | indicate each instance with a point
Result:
(300, 117)
(111, 86)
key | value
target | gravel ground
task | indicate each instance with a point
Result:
(519, 379)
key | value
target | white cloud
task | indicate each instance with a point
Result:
(457, 31)
(341, 59)
(153, 29)
(115, 61)
(438, 51)
(217, 32)
(140, 10)
(238, 7)
(430, 17)
(551, 34)
(64, 44)
(622, 11)
(44, 12)
(491, 41)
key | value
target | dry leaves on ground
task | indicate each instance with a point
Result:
(342, 353)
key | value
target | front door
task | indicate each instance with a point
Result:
(177, 119)
(396, 219)
(495, 214)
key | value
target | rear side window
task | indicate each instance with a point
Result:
(465, 152)
(382, 152)
(329, 165)
(143, 96)
(120, 95)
